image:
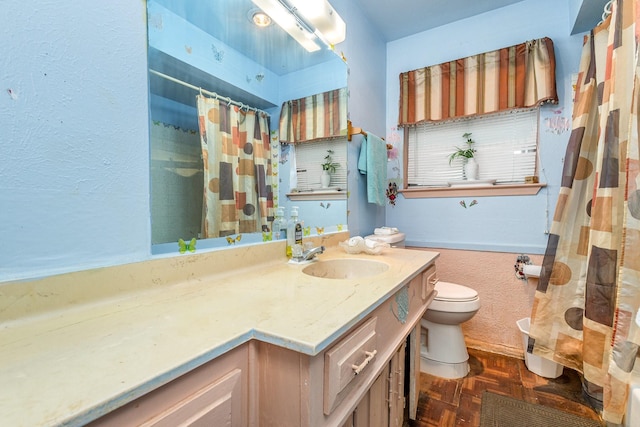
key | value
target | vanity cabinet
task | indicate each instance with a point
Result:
(215, 394)
(358, 380)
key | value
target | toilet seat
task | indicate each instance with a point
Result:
(454, 298)
(454, 292)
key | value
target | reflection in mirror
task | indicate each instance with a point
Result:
(213, 48)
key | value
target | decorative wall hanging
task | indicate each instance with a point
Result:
(557, 124)
(392, 193)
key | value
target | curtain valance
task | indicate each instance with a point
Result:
(319, 116)
(518, 76)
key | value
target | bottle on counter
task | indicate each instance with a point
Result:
(279, 226)
(294, 231)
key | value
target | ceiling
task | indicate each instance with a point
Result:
(228, 21)
(395, 19)
(400, 18)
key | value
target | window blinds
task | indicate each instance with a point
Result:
(505, 143)
(309, 158)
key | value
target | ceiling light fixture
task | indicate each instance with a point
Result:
(290, 22)
(259, 18)
(328, 24)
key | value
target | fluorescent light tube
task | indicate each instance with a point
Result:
(288, 22)
(323, 17)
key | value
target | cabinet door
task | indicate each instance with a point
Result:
(414, 371)
(350, 421)
(218, 404)
(396, 388)
(215, 394)
(373, 409)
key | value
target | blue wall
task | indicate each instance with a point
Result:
(366, 55)
(507, 223)
(75, 131)
(74, 139)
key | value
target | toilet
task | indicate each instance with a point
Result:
(390, 235)
(443, 352)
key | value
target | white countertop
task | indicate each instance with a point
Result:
(83, 354)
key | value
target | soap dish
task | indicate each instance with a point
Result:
(350, 249)
(375, 248)
(370, 247)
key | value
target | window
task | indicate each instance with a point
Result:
(308, 160)
(505, 143)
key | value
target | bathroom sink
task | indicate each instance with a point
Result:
(345, 268)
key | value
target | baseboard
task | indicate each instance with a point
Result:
(495, 348)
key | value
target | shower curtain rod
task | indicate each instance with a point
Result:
(207, 92)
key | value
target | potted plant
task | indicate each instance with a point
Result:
(468, 153)
(328, 167)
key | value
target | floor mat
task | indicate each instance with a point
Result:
(504, 411)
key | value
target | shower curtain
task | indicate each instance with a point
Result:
(238, 195)
(586, 304)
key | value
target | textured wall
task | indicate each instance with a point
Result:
(74, 132)
(366, 56)
(499, 224)
(505, 299)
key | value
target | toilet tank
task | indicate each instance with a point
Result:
(394, 240)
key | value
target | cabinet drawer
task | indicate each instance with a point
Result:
(348, 359)
(429, 280)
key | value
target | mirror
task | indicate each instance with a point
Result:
(214, 46)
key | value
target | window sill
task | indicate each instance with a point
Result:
(476, 191)
(318, 195)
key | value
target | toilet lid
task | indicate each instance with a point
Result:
(391, 238)
(453, 292)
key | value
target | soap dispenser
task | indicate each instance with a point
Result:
(294, 231)
(279, 227)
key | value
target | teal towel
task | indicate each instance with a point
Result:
(362, 158)
(376, 151)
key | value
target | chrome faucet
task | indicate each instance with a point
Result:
(309, 254)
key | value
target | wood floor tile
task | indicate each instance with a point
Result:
(458, 402)
(441, 389)
(468, 414)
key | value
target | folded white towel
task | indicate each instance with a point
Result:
(385, 231)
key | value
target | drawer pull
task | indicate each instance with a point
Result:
(370, 355)
(428, 283)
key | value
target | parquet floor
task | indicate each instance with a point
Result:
(449, 403)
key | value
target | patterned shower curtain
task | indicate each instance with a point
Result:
(238, 196)
(586, 304)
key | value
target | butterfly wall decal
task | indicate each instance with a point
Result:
(184, 247)
(232, 240)
(217, 54)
